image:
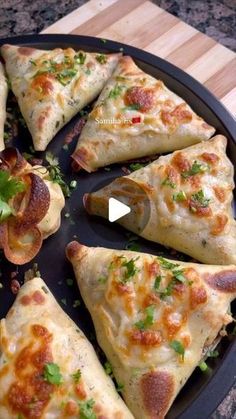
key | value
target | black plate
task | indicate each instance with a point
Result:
(203, 392)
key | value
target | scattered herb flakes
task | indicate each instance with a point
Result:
(103, 40)
(132, 107)
(88, 71)
(179, 196)
(108, 368)
(86, 409)
(69, 282)
(120, 387)
(168, 182)
(101, 58)
(199, 199)
(32, 62)
(76, 303)
(55, 173)
(115, 92)
(63, 301)
(73, 184)
(102, 279)
(166, 264)
(179, 275)
(51, 373)
(136, 166)
(157, 282)
(203, 366)
(149, 319)
(76, 376)
(131, 269)
(178, 347)
(213, 354)
(195, 169)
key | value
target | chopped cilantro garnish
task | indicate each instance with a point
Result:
(102, 279)
(168, 182)
(86, 410)
(178, 347)
(203, 366)
(101, 58)
(131, 269)
(51, 373)
(178, 274)
(179, 196)
(132, 243)
(166, 264)
(76, 303)
(9, 187)
(115, 92)
(132, 107)
(213, 354)
(76, 376)
(80, 58)
(108, 368)
(199, 199)
(195, 169)
(157, 282)
(136, 166)
(120, 387)
(149, 319)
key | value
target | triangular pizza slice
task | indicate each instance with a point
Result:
(135, 116)
(48, 369)
(186, 202)
(52, 86)
(3, 100)
(155, 318)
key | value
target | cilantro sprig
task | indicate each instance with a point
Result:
(115, 92)
(130, 270)
(195, 169)
(149, 319)
(86, 410)
(9, 187)
(52, 374)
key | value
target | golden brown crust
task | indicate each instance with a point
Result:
(73, 250)
(224, 281)
(157, 389)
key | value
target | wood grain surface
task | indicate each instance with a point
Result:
(144, 25)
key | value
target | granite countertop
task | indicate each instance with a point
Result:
(216, 18)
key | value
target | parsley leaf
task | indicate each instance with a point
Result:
(195, 169)
(179, 196)
(132, 107)
(149, 319)
(76, 376)
(203, 366)
(168, 182)
(157, 282)
(86, 410)
(199, 198)
(51, 373)
(102, 279)
(178, 347)
(80, 58)
(108, 368)
(132, 243)
(9, 187)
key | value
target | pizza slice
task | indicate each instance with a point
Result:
(154, 318)
(3, 100)
(186, 202)
(52, 86)
(48, 369)
(135, 116)
(30, 206)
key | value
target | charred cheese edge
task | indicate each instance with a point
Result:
(153, 318)
(190, 197)
(3, 100)
(52, 86)
(36, 334)
(136, 115)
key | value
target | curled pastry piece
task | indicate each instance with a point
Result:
(154, 318)
(28, 213)
(186, 203)
(52, 86)
(47, 366)
(136, 115)
(3, 100)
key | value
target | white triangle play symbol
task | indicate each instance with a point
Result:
(117, 209)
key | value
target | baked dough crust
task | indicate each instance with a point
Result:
(3, 100)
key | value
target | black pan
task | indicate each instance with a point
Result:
(203, 391)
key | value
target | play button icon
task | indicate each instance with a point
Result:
(116, 209)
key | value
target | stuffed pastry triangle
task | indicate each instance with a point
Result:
(154, 318)
(187, 202)
(135, 116)
(3, 100)
(48, 369)
(52, 86)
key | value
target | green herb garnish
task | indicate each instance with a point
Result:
(101, 58)
(132, 107)
(115, 92)
(168, 182)
(108, 368)
(157, 282)
(199, 199)
(195, 169)
(76, 376)
(136, 166)
(131, 269)
(149, 319)
(120, 387)
(76, 303)
(9, 187)
(51, 373)
(69, 282)
(178, 347)
(56, 174)
(80, 58)
(203, 366)
(102, 279)
(166, 264)
(86, 410)
(179, 196)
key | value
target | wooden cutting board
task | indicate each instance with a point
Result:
(144, 25)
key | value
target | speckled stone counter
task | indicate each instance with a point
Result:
(216, 18)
